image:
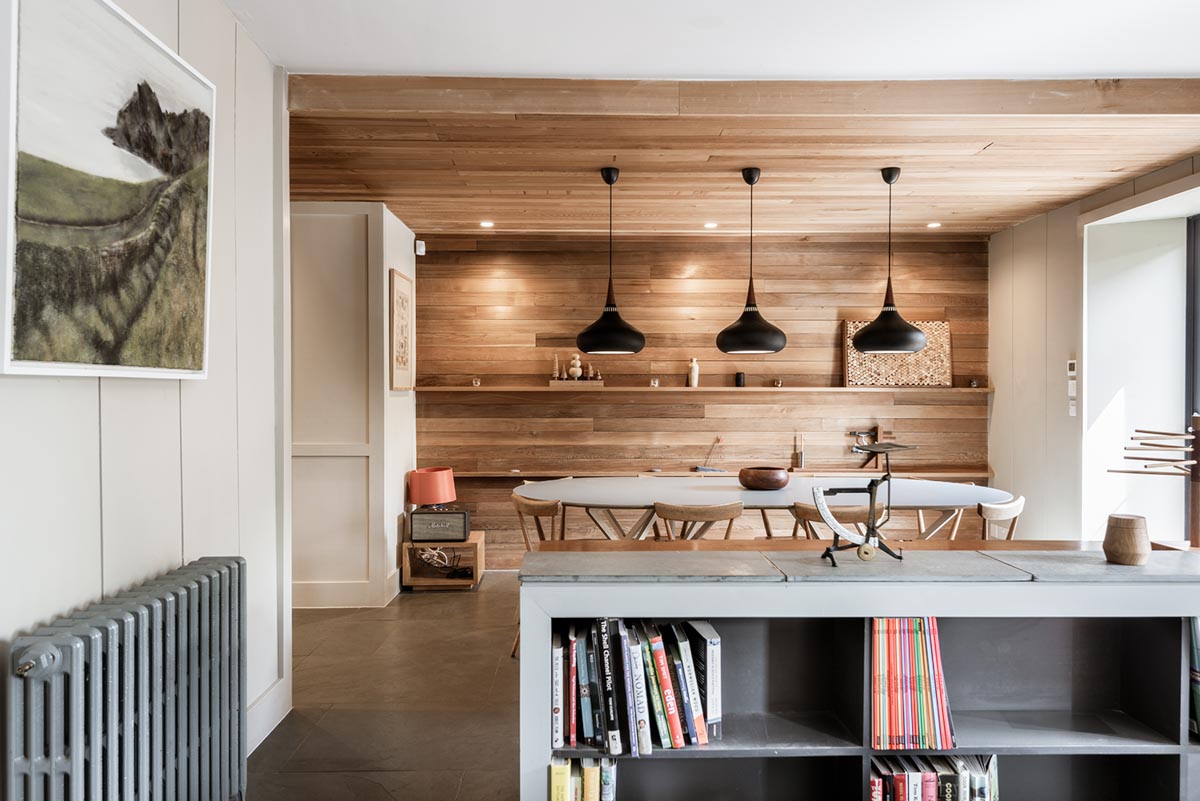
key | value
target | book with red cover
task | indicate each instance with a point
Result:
(664, 671)
(573, 689)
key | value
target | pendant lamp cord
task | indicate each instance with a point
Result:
(889, 236)
(610, 233)
(752, 235)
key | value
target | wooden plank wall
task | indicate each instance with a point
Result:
(499, 309)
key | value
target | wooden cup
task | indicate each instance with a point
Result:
(1126, 542)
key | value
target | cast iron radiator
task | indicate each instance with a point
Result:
(140, 697)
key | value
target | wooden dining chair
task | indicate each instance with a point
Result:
(695, 521)
(538, 511)
(807, 516)
(999, 514)
(562, 523)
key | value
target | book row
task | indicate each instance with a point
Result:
(583, 779)
(909, 707)
(935, 778)
(628, 687)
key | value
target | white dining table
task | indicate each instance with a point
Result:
(600, 496)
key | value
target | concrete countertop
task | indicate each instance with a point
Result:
(807, 566)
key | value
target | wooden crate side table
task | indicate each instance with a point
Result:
(419, 577)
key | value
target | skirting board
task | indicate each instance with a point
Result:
(331, 594)
(268, 710)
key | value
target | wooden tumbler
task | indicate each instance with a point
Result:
(1126, 542)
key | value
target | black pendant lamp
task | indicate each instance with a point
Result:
(610, 335)
(889, 332)
(751, 333)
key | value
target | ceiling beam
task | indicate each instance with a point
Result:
(398, 96)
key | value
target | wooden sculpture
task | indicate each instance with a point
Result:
(1174, 455)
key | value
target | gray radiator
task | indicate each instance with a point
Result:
(141, 697)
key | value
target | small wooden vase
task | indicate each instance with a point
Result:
(1127, 542)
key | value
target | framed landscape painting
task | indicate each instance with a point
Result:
(403, 332)
(106, 243)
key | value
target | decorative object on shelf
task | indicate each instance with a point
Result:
(610, 334)
(889, 332)
(751, 333)
(973, 383)
(778, 382)
(576, 368)
(869, 542)
(763, 478)
(798, 451)
(693, 376)
(403, 361)
(1126, 541)
(475, 382)
(1174, 455)
(930, 367)
(739, 379)
(563, 376)
(554, 372)
(112, 160)
(654, 382)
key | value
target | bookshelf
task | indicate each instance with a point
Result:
(1079, 686)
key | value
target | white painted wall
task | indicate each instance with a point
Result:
(353, 438)
(1036, 276)
(106, 482)
(1136, 324)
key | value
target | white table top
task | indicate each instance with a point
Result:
(643, 493)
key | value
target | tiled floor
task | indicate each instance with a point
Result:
(415, 701)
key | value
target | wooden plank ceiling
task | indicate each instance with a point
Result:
(978, 156)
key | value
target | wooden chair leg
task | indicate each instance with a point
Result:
(957, 522)
(796, 529)
(766, 524)
(516, 644)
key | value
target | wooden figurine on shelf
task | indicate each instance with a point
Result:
(693, 378)
(576, 369)
(554, 372)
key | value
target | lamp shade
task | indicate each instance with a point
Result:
(430, 486)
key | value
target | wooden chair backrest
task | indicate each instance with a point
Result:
(998, 513)
(807, 515)
(537, 510)
(697, 520)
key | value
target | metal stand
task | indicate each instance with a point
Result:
(868, 543)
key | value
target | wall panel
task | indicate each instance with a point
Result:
(499, 309)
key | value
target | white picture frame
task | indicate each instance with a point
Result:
(133, 45)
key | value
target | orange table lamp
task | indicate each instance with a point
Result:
(431, 486)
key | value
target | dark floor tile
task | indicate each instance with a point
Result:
(490, 785)
(356, 738)
(321, 787)
(285, 739)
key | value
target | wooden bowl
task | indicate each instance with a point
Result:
(763, 478)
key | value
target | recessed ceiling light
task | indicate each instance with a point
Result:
(710, 225)
(933, 225)
(486, 224)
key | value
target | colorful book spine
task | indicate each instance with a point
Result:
(706, 653)
(667, 686)
(594, 681)
(682, 702)
(939, 678)
(585, 692)
(655, 692)
(641, 700)
(1195, 673)
(608, 688)
(608, 780)
(876, 787)
(627, 677)
(556, 690)
(695, 708)
(591, 780)
(572, 690)
(560, 780)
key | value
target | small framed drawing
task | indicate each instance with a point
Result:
(105, 242)
(404, 357)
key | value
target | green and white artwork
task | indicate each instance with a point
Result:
(108, 246)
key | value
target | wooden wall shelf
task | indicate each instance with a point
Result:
(702, 390)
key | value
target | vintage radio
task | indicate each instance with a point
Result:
(439, 525)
